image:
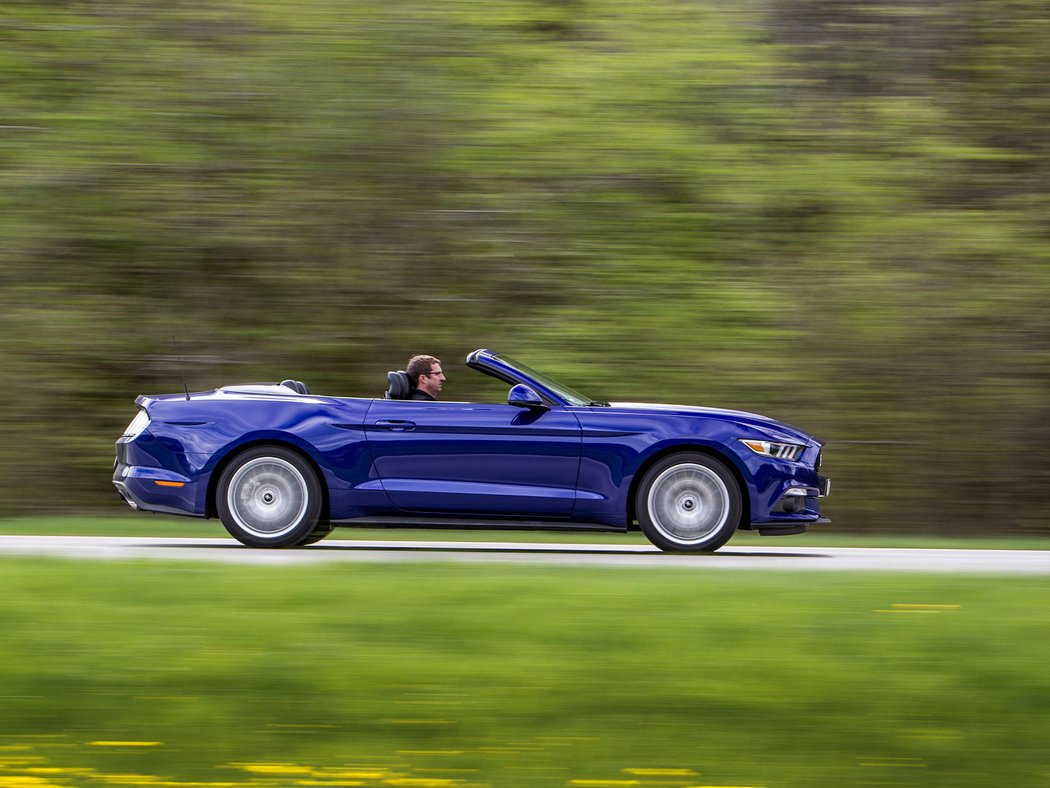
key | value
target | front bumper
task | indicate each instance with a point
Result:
(795, 510)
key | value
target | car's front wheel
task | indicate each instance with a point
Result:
(269, 496)
(689, 502)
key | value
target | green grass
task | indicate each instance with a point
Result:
(435, 675)
(129, 524)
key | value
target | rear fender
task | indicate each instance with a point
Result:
(284, 441)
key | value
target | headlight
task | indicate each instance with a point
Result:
(138, 424)
(782, 451)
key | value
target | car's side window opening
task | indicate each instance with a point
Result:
(473, 386)
(467, 385)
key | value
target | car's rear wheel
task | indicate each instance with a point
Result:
(269, 496)
(689, 502)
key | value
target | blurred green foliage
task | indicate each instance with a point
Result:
(179, 675)
(831, 212)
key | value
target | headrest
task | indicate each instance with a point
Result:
(399, 385)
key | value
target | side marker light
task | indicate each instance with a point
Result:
(169, 484)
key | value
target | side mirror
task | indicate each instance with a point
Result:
(522, 396)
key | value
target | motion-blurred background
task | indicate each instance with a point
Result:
(834, 213)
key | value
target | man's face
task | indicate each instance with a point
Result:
(432, 381)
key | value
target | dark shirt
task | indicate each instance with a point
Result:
(417, 394)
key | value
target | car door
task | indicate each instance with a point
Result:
(458, 457)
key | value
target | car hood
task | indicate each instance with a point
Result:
(779, 429)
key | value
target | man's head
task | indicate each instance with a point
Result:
(425, 374)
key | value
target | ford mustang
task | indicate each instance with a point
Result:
(280, 467)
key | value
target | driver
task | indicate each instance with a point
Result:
(426, 376)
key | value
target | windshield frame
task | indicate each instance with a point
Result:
(569, 396)
(510, 371)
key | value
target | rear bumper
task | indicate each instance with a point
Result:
(156, 490)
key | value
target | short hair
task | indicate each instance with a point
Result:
(417, 365)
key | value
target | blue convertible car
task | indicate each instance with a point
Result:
(281, 466)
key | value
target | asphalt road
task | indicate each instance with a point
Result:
(821, 559)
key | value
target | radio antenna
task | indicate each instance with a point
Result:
(183, 371)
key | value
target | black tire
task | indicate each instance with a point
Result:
(269, 496)
(320, 532)
(689, 502)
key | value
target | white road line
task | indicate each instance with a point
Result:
(1000, 562)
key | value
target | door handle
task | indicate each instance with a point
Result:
(396, 425)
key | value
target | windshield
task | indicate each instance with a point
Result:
(563, 391)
